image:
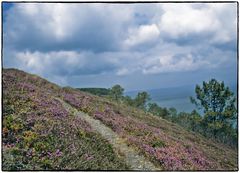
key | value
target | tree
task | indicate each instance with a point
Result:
(154, 109)
(195, 120)
(141, 100)
(173, 114)
(116, 92)
(164, 113)
(128, 100)
(159, 111)
(183, 120)
(218, 104)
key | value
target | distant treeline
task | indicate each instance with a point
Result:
(96, 91)
(218, 103)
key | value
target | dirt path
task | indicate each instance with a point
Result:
(132, 158)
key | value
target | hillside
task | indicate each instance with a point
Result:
(46, 127)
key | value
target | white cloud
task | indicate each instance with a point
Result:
(44, 26)
(123, 71)
(85, 39)
(170, 63)
(142, 34)
(183, 19)
(40, 63)
(218, 20)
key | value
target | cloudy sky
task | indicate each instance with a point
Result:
(139, 46)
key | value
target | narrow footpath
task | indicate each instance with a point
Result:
(132, 158)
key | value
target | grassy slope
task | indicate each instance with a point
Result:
(164, 143)
(38, 134)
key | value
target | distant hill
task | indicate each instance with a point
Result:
(46, 127)
(96, 91)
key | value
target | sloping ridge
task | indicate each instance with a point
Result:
(132, 158)
(139, 137)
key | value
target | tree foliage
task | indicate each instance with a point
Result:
(141, 100)
(218, 104)
(116, 92)
(128, 101)
(159, 111)
(213, 98)
(96, 91)
(154, 108)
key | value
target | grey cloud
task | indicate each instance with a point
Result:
(79, 27)
(86, 41)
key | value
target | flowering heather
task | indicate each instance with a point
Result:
(76, 99)
(158, 142)
(151, 141)
(36, 126)
(73, 100)
(39, 134)
(27, 87)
